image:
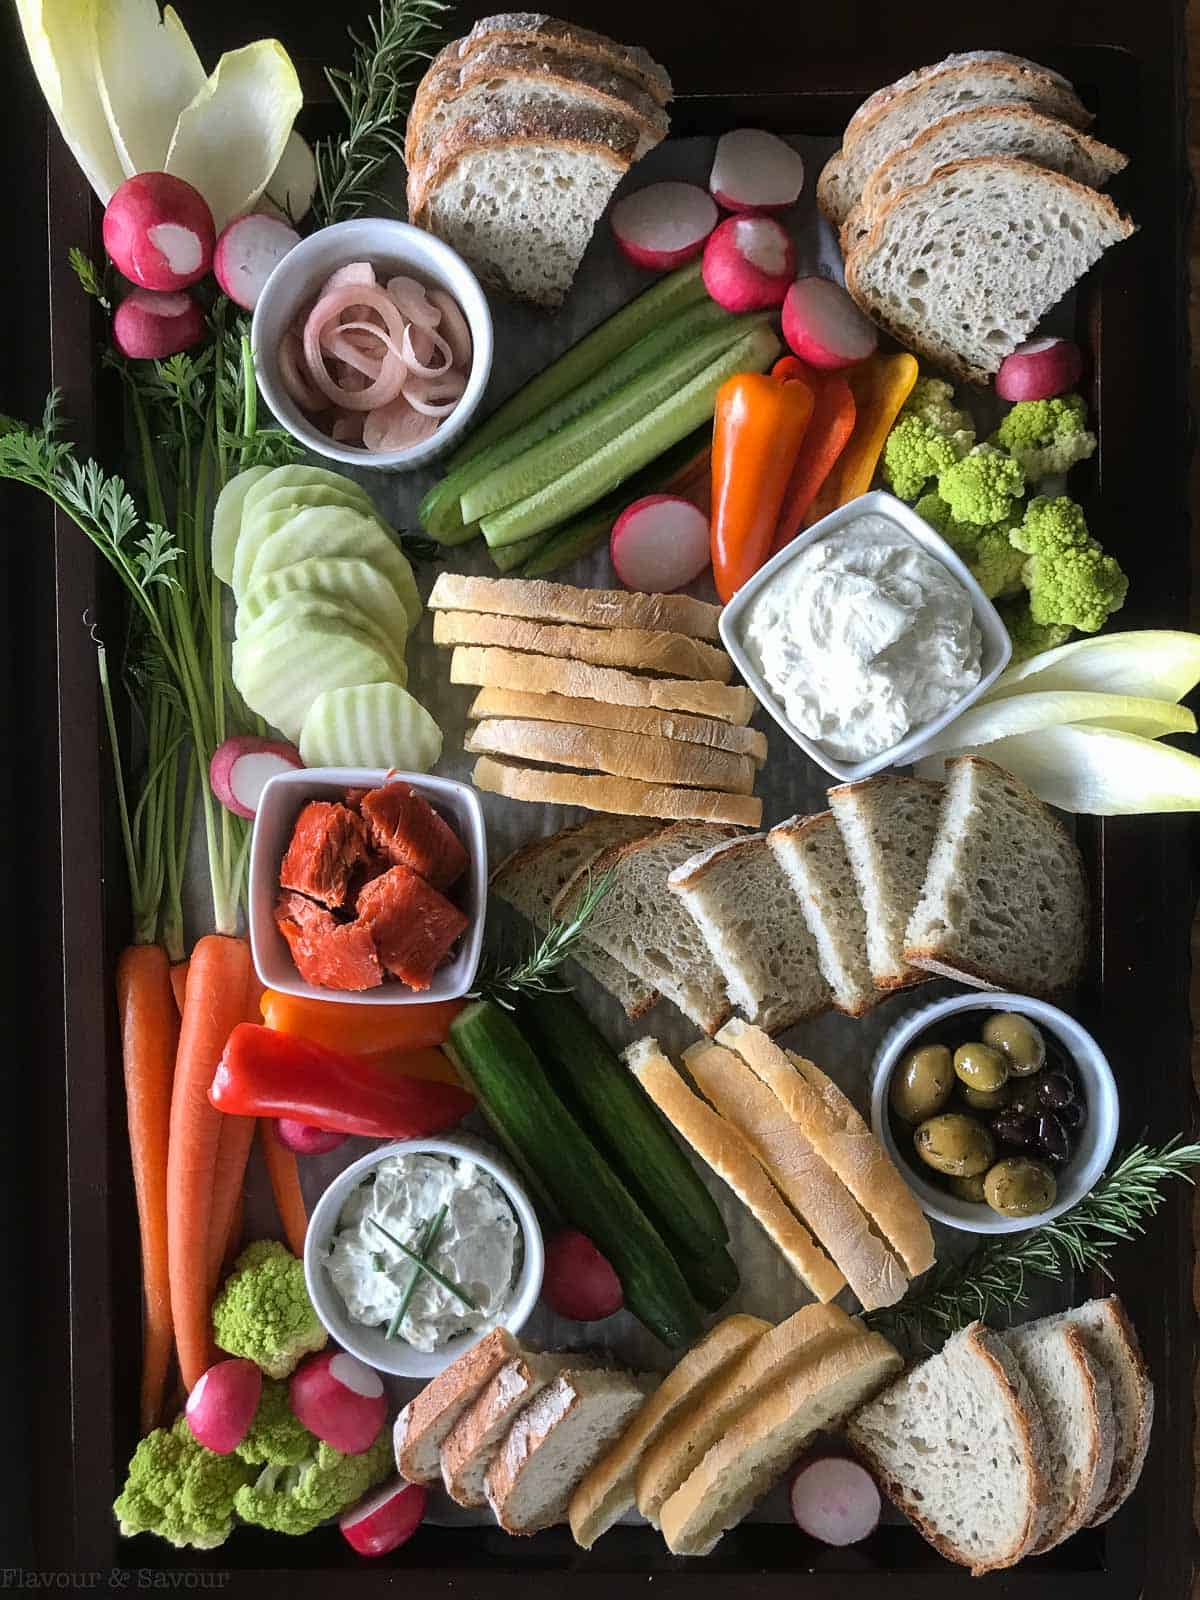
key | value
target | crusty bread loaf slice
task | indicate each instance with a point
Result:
(1072, 1392)
(815, 1193)
(1005, 900)
(510, 669)
(1000, 242)
(888, 825)
(533, 30)
(541, 601)
(768, 1363)
(959, 1445)
(733, 1159)
(705, 731)
(425, 1421)
(607, 1492)
(554, 1441)
(646, 649)
(840, 1136)
(757, 933)
(964, 58)
(627, 796)
(739, 1469)
(625, 755)
(812, 856)
(468, 1448)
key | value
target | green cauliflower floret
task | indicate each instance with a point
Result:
(277, 1437)
(983, 486)
(993, 562)
(1051, 526)
(179, 1490)
(1071, 581)
(1030, 638)
(296, 1498)
(1047, 437)
(933, 401)
(915, 452)
(263, 1311)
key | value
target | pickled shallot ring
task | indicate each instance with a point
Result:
(453, 327)
(435, 397)
(411, 300)
(409, 356)
(352, 272)
(294, 372)
(392, 372)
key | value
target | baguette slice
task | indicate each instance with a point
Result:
(840, 1136)
(965, 58)
(539, 601)
(768, 1364)
(429, 1416)
(704, 731)
(607, 1492)
(1005, 900)
(468, 1448)
(742, 1467)
(625, 755)
(732, 1159)
(649, 650)
(627, 796)
(818, 1197)
(534, 31)
(811, 854)
(959, 1445)
(888, 824)
(509, 669)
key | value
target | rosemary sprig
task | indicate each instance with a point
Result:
(534, 974)
(992, 1279)
(448, 1284)
(428, 1239)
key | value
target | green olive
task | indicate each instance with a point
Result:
(1019, 1041)
(980, 1066)
(984, 1099)
(1020, 1187)
(969, 1189)
(922, 1083)
(954, 1144)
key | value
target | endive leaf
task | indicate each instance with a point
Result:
(1163, 664)
(60, 36)
(292, 185)
(148, 71)
(230, 139)
(984, 723)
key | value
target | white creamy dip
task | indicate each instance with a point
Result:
(476, 1248)
(863, 637)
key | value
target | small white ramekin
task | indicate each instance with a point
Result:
(1096, 1139)
(372, 1344)
(391, 247)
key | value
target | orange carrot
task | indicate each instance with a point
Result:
(229, 1177)
(360, 1029)
(285, 1186)
(216, 1002)
(233, 1244)
(832, 424)
(149, 1035)
(179, 972)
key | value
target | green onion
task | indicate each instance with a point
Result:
(429, 1237)
(448, 1284)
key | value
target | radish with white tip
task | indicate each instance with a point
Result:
(660, 543)
(248, 251)
(242, 767)
(824, 327)
(1039, 369)
(340, 1399)
(386, 1519)
(748, 264)
(159, 232)
(149, 325)
(222, 1404)
(664, 225)
(755, 171)
(304, 1140)
(835, 1500)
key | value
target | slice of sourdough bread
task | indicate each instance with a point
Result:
(1005, 899)
(540, 601)
(630, 797)
(646, 756)
(811, 854)
(965, 58)
(959, 1445)
(888, 825)
(533, 30)
(704, 731)
(468, 1448)
(645, 649)
(756, 931)
(426, 1420)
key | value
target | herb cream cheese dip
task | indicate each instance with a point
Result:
(864, 636)
(476, 1248)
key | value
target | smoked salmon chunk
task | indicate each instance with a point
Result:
(404, 827)
(327, 953)
(414, 927)
(327, 843)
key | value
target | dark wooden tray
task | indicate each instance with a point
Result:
(1135, 998)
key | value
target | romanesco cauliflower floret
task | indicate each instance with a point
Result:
(277, 1436)
(1070, 579)
(295, 1499)
(1051, 526)
(263, 1310)
(915, 452)
(995, 565)
(933, 401)
(982, 487)
(1030, 638)
(179, 1490)
(1047, 437)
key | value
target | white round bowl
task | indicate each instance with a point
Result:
(1096, 1138)
(371, 1344)
(391, 247)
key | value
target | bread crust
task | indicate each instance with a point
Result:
(646, 756)
(704, 732)
(643, 649)
(885, 96)
(538, 600)
(626, 796)
(1127, 1464)
(529, 27)
(429, 1416)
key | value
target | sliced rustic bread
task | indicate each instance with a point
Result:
(1027, 235)
(554, 1441)
(607, 1492)
(425, 1421)
(733, 1160)
(738, 1470)
(840, 1137)
(647, 649)
(769, 1362)
(532, 29)
(705, 731)
(888, 825)
(756, 930)
(1005, 900)
(964, 58)
(468, 1448)
(627, 796)
(812, 857)
(959, 1445)
(626, 755)
(818, 1197)
(541, 601)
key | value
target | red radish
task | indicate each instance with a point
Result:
(1039, 369)
(222, 1404)
(339, 1399)
(386, 1519)
(660, 543)
(159, 232)
(754, 171)
(305, 1140)
(242, 766)
(748, 264)
(579, 1282)
(664, 225)
(834, 1499)
(148, 325)
(248, 251)
(824, 327)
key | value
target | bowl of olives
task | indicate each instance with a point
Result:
(1000, 1110)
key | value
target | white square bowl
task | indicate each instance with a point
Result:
(995, 649)
(280, 804)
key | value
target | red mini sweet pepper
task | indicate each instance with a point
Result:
(267, 1074)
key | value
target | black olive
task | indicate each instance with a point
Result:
(1024, 1101)
(1052, 1138)
(1055, 1090)
(1073, 1115)
(1015, 1129)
